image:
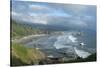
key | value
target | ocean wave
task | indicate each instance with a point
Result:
(68, 39)
(64, 40)
(81, 53)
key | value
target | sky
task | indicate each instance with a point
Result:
(73, 15)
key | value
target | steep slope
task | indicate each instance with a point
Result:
(21, 55)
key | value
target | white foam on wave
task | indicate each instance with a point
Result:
(61, 41)
(69, 40)
(72, 38)
(65, 40)
(81, 53)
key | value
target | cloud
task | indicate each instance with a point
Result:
(56, 20)
(39, 8)
(47, 9)
(76, 8)
(40, 19)
(77, 21)
(68, 15)
(15, 13)
(72, 22)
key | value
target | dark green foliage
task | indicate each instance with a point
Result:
(89, 58)
(16, 62)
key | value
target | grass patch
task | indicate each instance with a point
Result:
(20, 55)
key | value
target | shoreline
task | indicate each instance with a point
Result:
(29, 37)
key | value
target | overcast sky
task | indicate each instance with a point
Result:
(55, 14)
